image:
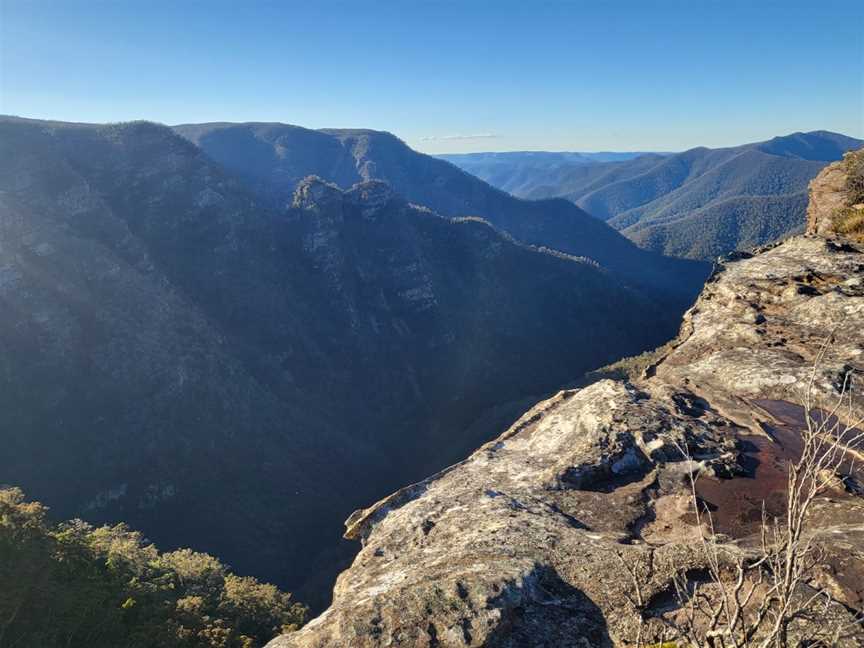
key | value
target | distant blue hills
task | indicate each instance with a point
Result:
(698, 203)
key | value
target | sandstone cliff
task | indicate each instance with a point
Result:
(525, 542)
(836, 198)
(826, 195)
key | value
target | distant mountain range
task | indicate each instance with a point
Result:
(517, 172)
(272, 158)
(697, 204)
(202, 340)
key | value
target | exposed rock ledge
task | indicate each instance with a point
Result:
(521, 544)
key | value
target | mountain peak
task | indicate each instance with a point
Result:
(273, 159)
(818, 146)
(313, 191)
(371, 194)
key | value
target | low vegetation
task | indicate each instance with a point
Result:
(854, 166)
(631, 367)
(849, 220)
(72, 584)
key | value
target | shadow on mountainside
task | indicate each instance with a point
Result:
(547, 612)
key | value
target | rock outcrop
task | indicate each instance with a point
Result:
(273, 158)
(532, 540)
(827, 195)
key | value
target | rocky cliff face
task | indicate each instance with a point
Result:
(827, 196)
(524, 542)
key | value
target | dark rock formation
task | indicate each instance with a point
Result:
(272, 158)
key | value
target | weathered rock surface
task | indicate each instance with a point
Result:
(826, 196)
(524, 542)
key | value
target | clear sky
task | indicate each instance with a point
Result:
(455, 76)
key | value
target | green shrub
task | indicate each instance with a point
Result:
(75, 585)
(631, 367)
(850, 222)
(853, 164)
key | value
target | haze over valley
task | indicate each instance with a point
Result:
(431, 325)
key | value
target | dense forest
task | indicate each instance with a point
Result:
(72, 584)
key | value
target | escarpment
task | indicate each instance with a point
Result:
(827, 195)
(837, 198)
(540, 536)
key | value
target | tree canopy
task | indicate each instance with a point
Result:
(72, 584)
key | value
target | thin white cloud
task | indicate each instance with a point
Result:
(440, 138)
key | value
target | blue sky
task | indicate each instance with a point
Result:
(449, 76)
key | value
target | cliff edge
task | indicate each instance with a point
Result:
(534, 538)
(836, 198)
